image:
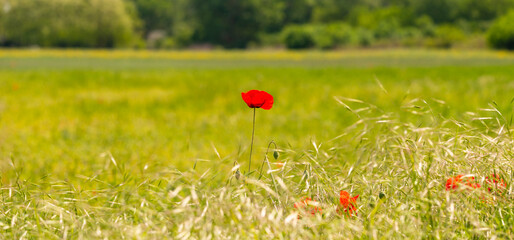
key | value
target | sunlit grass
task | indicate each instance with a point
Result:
(116, 151)
(252, 54)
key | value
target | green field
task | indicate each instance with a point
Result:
(122, 144)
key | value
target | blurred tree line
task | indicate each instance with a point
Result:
(323, 24)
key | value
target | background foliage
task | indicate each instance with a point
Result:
(249, 23)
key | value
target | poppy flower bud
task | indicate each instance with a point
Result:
(381, 195)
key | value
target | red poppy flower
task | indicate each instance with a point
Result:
(308, 205)
(348, 203)
(455, 182)
(258, 99)
(495, 183)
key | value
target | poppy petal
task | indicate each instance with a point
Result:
(268, 102)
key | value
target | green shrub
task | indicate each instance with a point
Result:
(323, 40)
(501, 33)
(365, 37)
(298, 37)
(341, 33)
(322, 36)
(167, 43)
(67, 23)
(387, 29)
(383, 22)
(425, 25)
(446, 36)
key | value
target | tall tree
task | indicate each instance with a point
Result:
(155, 14)
(297, 11)
(333, 10)
(234, 23)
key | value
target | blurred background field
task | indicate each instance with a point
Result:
(141, 144)
(61, 110)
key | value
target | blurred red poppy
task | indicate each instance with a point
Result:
(348, 203)
(258, 99)
(495, 183)
(455, 182)
(308, 205)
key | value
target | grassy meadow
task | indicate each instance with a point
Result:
(147, 145)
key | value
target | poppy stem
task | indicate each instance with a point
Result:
(251, 145)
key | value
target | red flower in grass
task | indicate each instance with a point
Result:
(308, 205)
(258, 99)
(495, 183)
(458, 181)
(348, 203)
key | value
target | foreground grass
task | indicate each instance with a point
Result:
(94, 147)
